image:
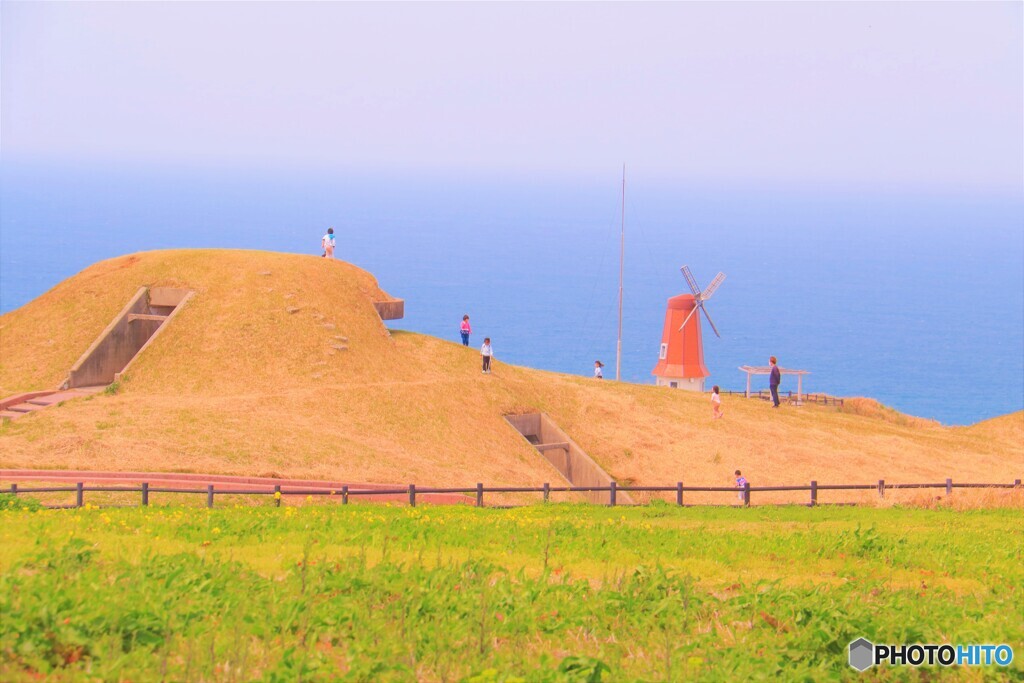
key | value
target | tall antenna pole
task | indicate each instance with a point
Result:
(622, 251)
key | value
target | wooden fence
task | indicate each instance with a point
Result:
(791, 396)
(345, 494)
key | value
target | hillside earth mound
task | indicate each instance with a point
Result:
(280, 366)
(869, 407)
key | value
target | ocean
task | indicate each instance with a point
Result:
(916, 300)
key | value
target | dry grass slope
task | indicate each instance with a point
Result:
(250, 378)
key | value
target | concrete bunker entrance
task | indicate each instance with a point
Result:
(126, 336)
(571, 461)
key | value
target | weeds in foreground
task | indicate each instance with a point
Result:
(556, 593)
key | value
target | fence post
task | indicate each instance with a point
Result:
(209, 495)
(145, 494)
(814, 493)
(14, 489)
(79, 494)
(746, 495)
(949, 486)
(344, 494)
(479, 495)
(881, 488)
(277, 495)
(1016, 482)
(679, 493)
(412, 495)
(547, 491)
(611, 493)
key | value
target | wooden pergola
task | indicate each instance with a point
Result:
(766, 370)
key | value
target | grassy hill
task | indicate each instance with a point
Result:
(248, 379)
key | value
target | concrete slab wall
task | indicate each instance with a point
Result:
(168, 297)
(527, 424)
(571, 461)
(114, 348)
(173, 312)
(123, 338)
(390, 310)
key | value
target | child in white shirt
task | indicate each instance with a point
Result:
(716, 403)
(598, 373)
(327, 242)
(486, 353)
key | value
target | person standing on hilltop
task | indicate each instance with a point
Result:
(774, 379)
(327, 242)
(486, 353)
(465, 330)
(598, 372)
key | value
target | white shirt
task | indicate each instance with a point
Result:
(598, 373)
(716, 398)
(327, 240)
(485, 350)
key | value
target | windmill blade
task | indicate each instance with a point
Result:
(688, 318)
(709, 321)
(706, 294)
(690, 281)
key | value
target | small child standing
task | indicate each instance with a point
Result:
(486, 353)
(741, 484)
(465, 330)
(598, 373)
(327, 243)
(716, 403)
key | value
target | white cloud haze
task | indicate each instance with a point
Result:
(914, 95)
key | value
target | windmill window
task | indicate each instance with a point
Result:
(673, 385)
(663, 352)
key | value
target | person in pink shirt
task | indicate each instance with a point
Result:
(465, 330)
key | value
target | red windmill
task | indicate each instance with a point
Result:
(681, 358)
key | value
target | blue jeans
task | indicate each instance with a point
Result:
(775, 395)
(465, 338)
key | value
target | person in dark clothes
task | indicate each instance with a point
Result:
(774, 379)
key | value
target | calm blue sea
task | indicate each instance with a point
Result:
(917, 301)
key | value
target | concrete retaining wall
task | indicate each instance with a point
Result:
(390, 310)
(125, 336)
(578, 468)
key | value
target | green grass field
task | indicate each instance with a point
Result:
(542, 593)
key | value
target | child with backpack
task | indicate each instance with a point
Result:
(327, 243)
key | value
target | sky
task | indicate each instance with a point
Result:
(911, 96)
